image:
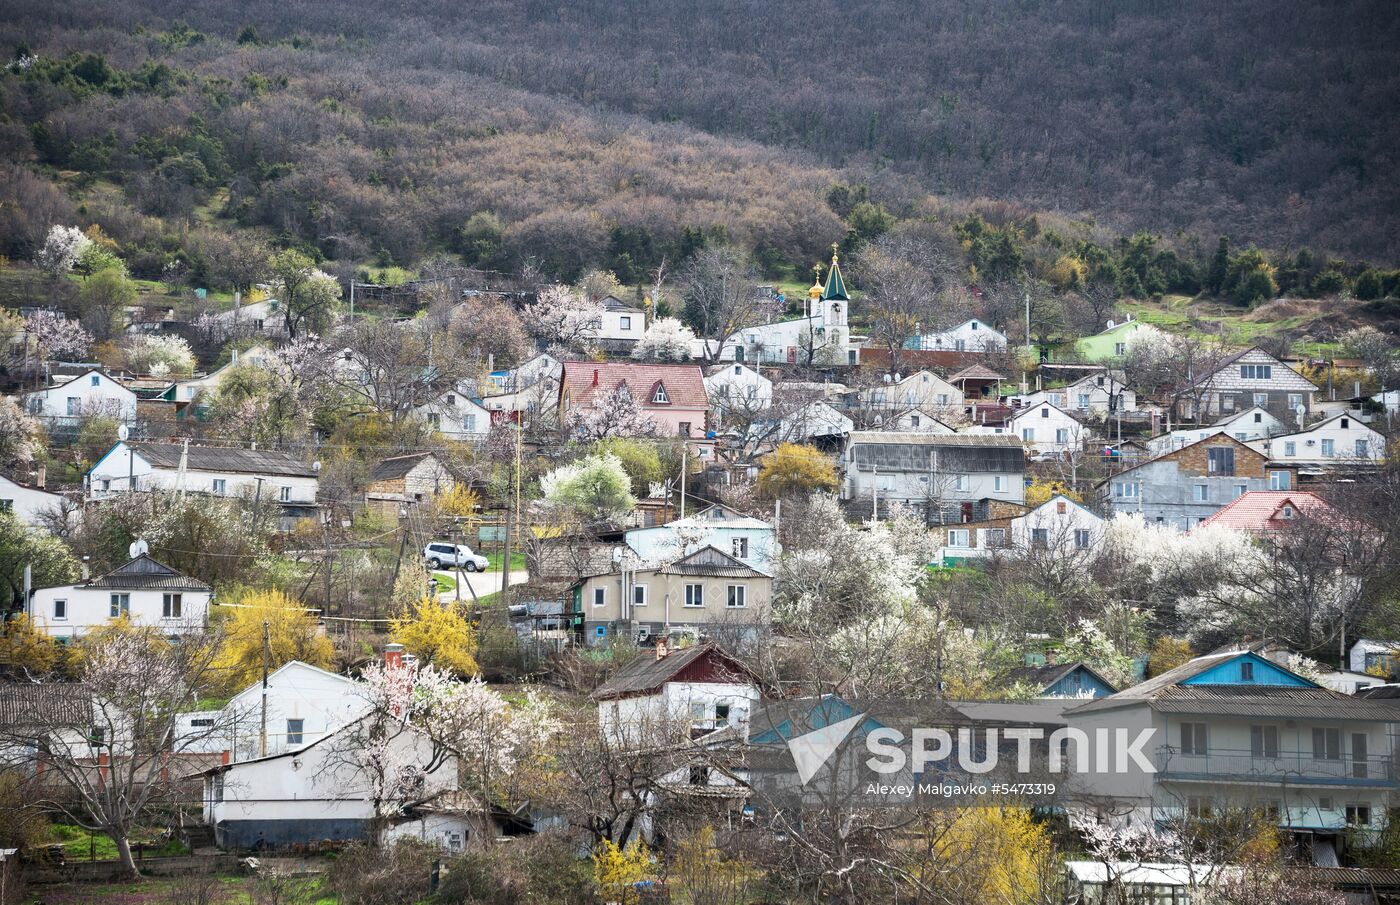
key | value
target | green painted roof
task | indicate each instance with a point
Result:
(835, 286)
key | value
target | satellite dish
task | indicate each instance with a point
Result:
(1301, 412)
(138, 547)
(316, 466)
(123, 432)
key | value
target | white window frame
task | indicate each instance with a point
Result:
(695, 596)
(1328, 447)
(220, 486)
(639, 595)
(960, 538)
(999, 484)
(60, 609)
(1200, 493)
(118, 604)
(739, 547)
(172, 606)
(286, 493)
(736, 597)
(600, 597)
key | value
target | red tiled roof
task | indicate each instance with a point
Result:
(1256, 510)
(685, 384)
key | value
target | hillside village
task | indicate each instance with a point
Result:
(543, 564)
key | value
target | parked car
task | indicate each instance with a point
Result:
(441, 555)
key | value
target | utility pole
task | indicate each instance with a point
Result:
(262, 731)
(1028, 320)
(685, 466)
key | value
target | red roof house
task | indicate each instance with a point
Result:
(1268, 510)
(672, 396)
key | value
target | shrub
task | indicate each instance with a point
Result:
(365, 875)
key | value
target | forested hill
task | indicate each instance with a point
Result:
(388, 125)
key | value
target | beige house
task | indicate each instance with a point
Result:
(708, 593)
(405, 482)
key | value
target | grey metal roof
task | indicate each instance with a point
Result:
(913, 452)
(648, 672)
(219, 458)
(24, 704)
(711, 561)
(397, 467)
(145, 573)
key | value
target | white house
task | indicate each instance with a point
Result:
(206, 385)
(542, 367)
(1368, 654)
(738, 387)
(619, 322)
(272, 477)
(1252, 378)
(90, 393)
(28, 503)
(1044, 428)
(149, 593)
(969, 336)
(922, 389)
(1338, 440)
(1098, 395)
(1058, 525)
(456, 416)
(813, 420)
(304, 704)
(675, 693)
(320, 791)
(752, 541)
(1235, 730)
(1251, 424)
(264, 318)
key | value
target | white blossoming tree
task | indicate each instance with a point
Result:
(564, 319)
(158, 356)
(62, 248)
(53, 336)
(614, 414)
(17, 433)
(596, 488)
(667, 339)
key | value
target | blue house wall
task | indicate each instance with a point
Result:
(1231, 672)
(1076, 682)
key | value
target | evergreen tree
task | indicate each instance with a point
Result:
(1219, 267)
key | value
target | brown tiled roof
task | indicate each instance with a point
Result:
(685, 384)
(1256, 509)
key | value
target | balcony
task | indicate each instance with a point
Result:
(1296, 768)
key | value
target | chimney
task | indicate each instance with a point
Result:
(595, 377)
(393, 656)
(41, 476)
(661, 650)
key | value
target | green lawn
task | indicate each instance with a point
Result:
(82, 845)
(517, 562)
(231, 890)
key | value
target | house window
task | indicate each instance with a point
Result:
(469, 423)
(1327, 744)
(286, 494)
(1361, 451)
(1081, 538)
(1201, 493)
(1258, 417)
(600, 596)
(1193, 739)
(694, 595)
(60, 609)
(1263, 741)
(75, 405)
(996, 537)
(1045, 413)
(171, 606)
(942, 398)
(1040, 538)
(1062, 435)
(1257, 372)
(218, 787)
(639, 595)
(1290, 448)
(1199, 807)
(1227, 403)
(220, 486)
(1294, 400)
(999, 484)
(7, 505)
(1028, 434)
(1246, 671)
(121, 605)
(739, 546)
(1279, 480)
(684, 429)
(1261, 399)
(958, 537)
(960, 482)
(1240, 490)
(625, 322)
(294, 731)
(1125, 489)
(738, 597)
(721, 716)
(1083, 400)
(1221, 461)
(95, 381)
(1358, 815)
(1120, 348)
(659, 397)
(1329, 448)
(913, 420)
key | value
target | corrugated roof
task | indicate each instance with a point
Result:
(1047, 675)
(711, 561)
(144, 572)
(923, 453)
(221, 458)
(976, 372)
(54, 704)
(648, 673)
(397, 467)
(685, 384)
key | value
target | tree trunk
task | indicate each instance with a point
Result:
(124, 853)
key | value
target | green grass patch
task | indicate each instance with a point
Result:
(445, 581)
(82, 845)
(517, 562)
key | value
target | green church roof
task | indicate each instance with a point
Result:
(835, 286)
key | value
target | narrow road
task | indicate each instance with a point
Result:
(482, 582)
